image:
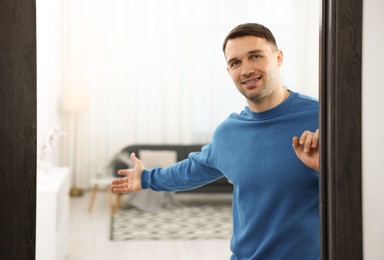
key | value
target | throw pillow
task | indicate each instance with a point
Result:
(157, 158)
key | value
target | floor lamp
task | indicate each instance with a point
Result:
(75, 102)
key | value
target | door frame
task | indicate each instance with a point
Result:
(340, 130)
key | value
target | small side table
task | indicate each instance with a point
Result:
(97, 183)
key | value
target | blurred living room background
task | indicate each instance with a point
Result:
(116, 73)
(153, 71)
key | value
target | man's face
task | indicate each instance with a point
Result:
(253, 65)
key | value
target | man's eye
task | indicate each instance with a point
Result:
(256, 56)
(234, 64)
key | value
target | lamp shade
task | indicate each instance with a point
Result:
(75, 101)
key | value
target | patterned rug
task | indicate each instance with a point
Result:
(188, 222)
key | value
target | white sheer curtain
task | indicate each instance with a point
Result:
(155, 71)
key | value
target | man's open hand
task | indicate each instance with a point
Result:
(132, 181)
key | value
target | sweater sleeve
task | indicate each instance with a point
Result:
(191, 173)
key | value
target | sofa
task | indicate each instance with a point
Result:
(156, 154)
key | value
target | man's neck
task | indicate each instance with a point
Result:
(278, 97)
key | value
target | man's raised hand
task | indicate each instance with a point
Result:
(307, 148)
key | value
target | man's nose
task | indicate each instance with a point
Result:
(247, 70)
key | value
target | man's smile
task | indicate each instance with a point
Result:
(251, 82)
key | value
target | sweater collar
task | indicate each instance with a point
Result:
(281, 108)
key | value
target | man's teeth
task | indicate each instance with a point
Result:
(249, 82)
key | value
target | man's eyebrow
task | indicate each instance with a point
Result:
(248, 53)
(231, 60)
(255, 52)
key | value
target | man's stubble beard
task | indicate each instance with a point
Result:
(265, 92)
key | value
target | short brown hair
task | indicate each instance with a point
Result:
(250, 29)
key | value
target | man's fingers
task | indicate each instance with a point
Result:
(315, 140)
(134, 159)
(120, 185)
(119, 181)
(296, 145)
(303, 137)
(123, 172)
(119, 188)
(309, 140)
(137, 163)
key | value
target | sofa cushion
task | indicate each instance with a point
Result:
(157, 158)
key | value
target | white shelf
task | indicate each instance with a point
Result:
(52, 214)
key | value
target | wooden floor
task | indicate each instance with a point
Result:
(89, 237)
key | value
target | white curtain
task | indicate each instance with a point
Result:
(155, 72)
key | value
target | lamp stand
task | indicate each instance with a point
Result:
(75, 191)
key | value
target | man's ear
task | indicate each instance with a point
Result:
(280, 57)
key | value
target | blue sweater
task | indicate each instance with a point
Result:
(275, 197)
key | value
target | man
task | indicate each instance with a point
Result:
(275, 197)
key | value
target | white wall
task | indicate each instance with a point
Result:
(373, 129)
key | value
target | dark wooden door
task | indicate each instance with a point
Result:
(17, 129)
(340, 113)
